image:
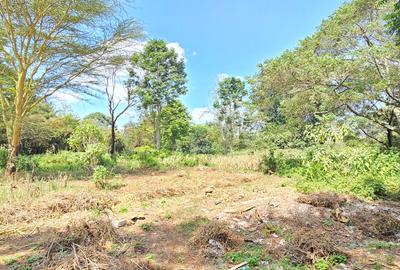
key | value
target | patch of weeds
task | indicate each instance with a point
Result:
(383, 245)
(96, 213)
(329, 262)
(327, 223)
(377, 266)
(168, 216)
(150, 256)
(189, 227)
(390, 259)
(146, 227)
(123, 210)
(33, 259)
(275, 229)
(252, 254)
(144, 205)
(272, 229)
(287, 265)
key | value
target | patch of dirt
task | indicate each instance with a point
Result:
(323, 199)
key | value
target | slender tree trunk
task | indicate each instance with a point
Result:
(157, 136)
(112, 142)
(389, 135)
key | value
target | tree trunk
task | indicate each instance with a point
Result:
(112, 142)
(157, 136)
(13, 151)
(15, 140)
(389, 138)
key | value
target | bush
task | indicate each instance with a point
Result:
(3, 157)
(148, 157)
(97, 154)
(282, 162)
(48, 165)
(100, 177)
(363, 171)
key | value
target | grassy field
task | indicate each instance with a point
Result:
(202, 217)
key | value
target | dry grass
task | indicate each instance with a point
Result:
(307, 246)
(53, 206)
(376, 224)
(216, 231)
(323, 199)
(245, 162)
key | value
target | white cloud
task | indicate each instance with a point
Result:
(65, 97)
(222, 76)
(202, 115)
(178, 49)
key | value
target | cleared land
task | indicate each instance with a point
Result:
(198, 218)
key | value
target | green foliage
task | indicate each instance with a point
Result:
(282, 161)
(202, 139)
(269, 163)
(100, 176)
(53, 164)
(383, 245)
(175, 124)
(3, 157)
(164, 79)
(146, 227)
(97, 154)
(148, 157)
(252, 254)
(231, 93)
(84, 135)
(363, 171)
(329, 262)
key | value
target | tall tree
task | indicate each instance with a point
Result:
(46, 45)
(158, 77)
(229, 104)
(118, 101)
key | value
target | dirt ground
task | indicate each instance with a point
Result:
(70, 229)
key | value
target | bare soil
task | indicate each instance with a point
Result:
(188, 219)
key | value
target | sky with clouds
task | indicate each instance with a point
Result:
(219, 38)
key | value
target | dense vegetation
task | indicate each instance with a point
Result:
(325, 113)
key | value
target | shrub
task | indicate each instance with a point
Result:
(97, 154)
(3, 157)
(269, 163)
(147, 157)
(100, 177)
(363, 171)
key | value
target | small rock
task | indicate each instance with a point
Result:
(135, 219)
(273, 204)
(218, 202)
(209, 190)
(118, 223)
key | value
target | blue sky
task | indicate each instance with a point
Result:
(224, 37)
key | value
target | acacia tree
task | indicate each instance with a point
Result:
(46, 45)
(158, 77)
(228, 104)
